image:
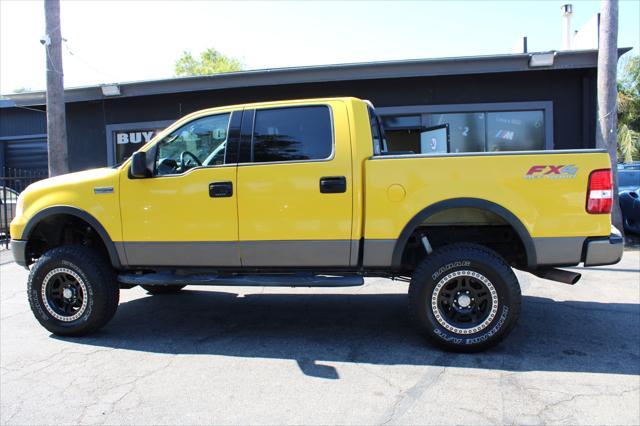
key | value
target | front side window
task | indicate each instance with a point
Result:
(201, 142)
(292, 134)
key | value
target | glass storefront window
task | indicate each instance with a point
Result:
(479, 131)
(466, 130)
(515, 131)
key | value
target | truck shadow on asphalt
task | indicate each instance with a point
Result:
(319, 329)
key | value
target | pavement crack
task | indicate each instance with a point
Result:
(130, 386)
(407, 398)
(552, 405)
(384, 379)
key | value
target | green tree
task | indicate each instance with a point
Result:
(210, 62)
(22, 90)
(629, 112)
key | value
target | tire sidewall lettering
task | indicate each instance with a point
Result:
(457, 264)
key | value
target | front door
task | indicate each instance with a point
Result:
(185, 214)
(295, 187)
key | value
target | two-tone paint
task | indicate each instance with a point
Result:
(278, 217)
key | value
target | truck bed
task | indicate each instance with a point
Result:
(544, 191)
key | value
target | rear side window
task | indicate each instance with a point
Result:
(292, 134)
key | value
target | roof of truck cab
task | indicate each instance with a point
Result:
(235, 107)
(573, 59)
(279, 103)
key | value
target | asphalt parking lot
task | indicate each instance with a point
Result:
(325, 356)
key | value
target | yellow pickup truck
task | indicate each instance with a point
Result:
(309, 193)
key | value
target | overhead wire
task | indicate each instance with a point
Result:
(86, 63)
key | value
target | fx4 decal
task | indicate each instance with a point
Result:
(552, 172)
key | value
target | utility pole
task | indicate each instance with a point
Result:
(606, 135)
(56, 121)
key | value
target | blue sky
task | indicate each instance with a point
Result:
(114, 41)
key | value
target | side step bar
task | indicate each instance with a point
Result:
(266, 280)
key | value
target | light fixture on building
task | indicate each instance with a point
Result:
(541, 59)
(110, 90)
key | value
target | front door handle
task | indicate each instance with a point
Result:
(333, 184)
(220, 189)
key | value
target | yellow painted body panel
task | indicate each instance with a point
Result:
(178, 208)
(361, 149)
(547, 207)
(75, 190)
(282, 201)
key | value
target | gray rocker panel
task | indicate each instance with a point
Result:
(307, 253)
(182, 253)
(299, 253)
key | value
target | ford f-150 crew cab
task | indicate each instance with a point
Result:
(309, 193)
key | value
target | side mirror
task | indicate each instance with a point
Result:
(138, 167)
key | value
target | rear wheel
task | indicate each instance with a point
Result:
(464, 297)
(163, 289)
(72, 290)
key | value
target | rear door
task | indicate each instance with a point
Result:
(295, 186)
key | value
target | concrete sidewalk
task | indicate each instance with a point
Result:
(5, 255)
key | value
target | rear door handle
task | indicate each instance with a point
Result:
(333, 184)
(220, 189)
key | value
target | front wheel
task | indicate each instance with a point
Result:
(72, 290)
(464, 297)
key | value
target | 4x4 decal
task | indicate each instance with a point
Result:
(552, 172)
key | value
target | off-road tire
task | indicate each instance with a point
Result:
(97, 277)
(163, 289)
(481, 265)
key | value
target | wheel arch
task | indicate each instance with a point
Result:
(454, 203)
(49, 212)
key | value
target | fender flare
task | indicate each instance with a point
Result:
(497, 209)
(81, 214)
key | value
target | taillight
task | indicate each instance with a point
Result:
(600, 192)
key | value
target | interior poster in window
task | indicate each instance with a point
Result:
(129, 141)
(515, 131)
(434, 140)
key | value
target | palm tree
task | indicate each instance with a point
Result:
(628, 103)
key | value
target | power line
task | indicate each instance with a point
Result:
(83, 61)
(30, 109)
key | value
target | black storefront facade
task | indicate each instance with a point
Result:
(488, 103)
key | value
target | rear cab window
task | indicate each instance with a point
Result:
(302, 133)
